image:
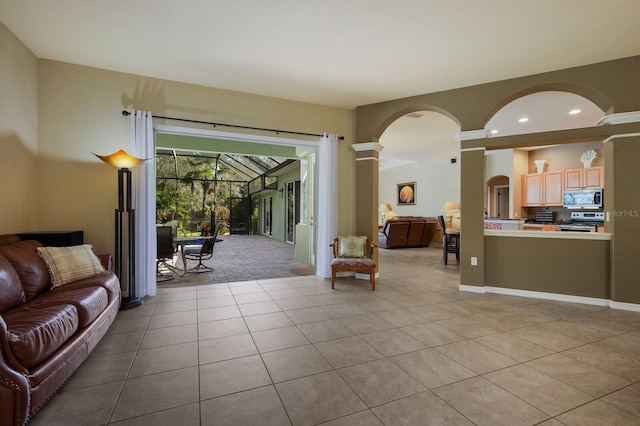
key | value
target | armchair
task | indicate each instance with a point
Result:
(353, 254)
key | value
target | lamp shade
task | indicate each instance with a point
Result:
(450, 205)
(384, 208)
(122, 159)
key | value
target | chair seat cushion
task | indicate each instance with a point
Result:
(353, 261)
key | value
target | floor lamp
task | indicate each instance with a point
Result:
(125, 162)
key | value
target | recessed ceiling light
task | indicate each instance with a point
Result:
(575, 111)
(494, 132)
(523, 120)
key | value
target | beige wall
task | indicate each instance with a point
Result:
(18, 135)
(80, 113)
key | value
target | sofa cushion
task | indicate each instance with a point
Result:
(31, 269)
(88, 301)
(11, 292)
(68, 264)
(108, 281)
(36, 334)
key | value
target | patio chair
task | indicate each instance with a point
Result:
(353, 254)
(166, 248)
(201, 252)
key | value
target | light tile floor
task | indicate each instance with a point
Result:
(414, 352)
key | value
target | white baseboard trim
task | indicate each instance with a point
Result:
(624, 306)
(365, 276)
(471, 288)
(552, 296)
(549, 296)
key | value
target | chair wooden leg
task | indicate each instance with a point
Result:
(333, 278)
(372, 278)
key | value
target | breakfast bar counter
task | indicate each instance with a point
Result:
(571, 235)
(558, 262)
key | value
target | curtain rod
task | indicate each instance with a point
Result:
(235, 126)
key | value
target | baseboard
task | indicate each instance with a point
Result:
(471, 288)
(549, 296)
(552, 296)
(634, 307)
(365, 276)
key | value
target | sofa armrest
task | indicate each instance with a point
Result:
(14, 386)
(107, 261)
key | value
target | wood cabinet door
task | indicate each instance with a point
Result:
(532, 194)
(573, 178)
(594, 177)
(553, 188)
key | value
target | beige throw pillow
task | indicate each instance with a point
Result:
(352, 246)
(68, 264)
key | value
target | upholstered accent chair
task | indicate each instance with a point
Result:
(353, 254)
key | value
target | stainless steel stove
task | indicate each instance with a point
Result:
(583, 222)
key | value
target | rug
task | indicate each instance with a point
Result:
(303, 271)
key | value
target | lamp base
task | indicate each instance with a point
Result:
(130, 302)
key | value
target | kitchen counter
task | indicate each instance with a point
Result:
(548, 234)
(504, 224)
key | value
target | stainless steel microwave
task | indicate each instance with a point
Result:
(583, 198)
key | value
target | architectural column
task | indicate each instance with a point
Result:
(472, 188)
(367, 190)
(622, 206)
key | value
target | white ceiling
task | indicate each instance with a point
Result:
(341, 53)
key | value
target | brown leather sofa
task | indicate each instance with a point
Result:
(45, 335)
(407, 231)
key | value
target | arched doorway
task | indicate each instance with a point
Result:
(537, 112)
(420, 147)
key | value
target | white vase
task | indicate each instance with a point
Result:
(586, 163)
(540, 165)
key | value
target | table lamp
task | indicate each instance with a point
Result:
(449, 208)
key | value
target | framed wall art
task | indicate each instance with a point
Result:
(407, 194)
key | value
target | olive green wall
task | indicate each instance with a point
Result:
(18, 135)
(549, 265)
(80, 113)
(472, 181)
(566, 156)
(224, 146)
(624, 213)
(611, 85)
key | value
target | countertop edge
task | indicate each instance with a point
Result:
(602, 236)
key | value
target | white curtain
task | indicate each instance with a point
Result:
(144, 201)
(327, 217)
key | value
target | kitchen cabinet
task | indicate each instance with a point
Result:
(540, 227)
(542, 189)
(590, 177)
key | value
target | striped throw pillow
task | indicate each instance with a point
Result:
(68, 264)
